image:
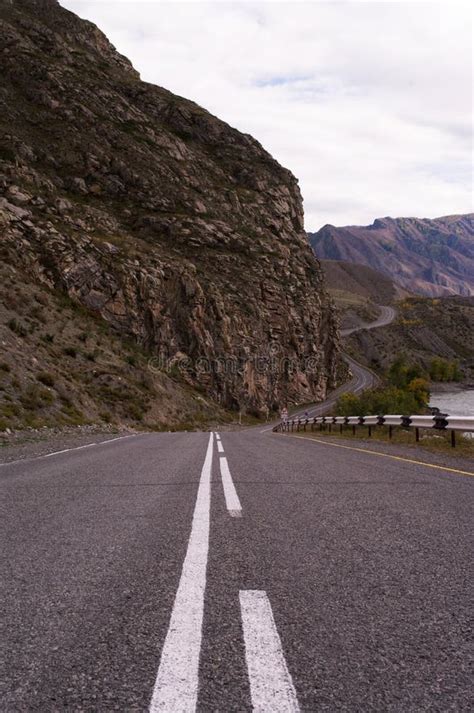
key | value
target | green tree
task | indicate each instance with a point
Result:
(444, 370)
(348, 405)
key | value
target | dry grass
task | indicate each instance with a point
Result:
(62, 366)
(437, 442)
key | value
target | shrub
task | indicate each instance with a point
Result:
(34, 397)
(7, 153)
(444, 370)
(17, 327)
(348, 405)
(5, 367)
(135, 411)
(420, 388)
(37, 312)
(47, 338)
(45, 378)
(10, 410)
(70, 351)
(73, 415)
(401, 373)
(383, 400)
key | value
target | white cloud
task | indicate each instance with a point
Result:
(369, 104)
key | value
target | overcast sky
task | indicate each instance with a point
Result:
(369, 104)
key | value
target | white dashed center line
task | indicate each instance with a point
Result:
(271, 687)
(220, 447)
(231, 498)
(176, 686)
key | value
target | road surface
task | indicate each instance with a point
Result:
(175, 572)
(387, 315)
(362, 378)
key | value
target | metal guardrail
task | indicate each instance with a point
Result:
(440, 422)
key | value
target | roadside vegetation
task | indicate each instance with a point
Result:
(436, 334)
(406, 390)
(445, 370)
(435, 442)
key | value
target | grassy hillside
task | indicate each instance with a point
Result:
(61, 365)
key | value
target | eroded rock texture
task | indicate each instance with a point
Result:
(179, 230)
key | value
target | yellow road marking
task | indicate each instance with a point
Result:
(385, 455)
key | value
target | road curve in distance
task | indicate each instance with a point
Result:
(362, 378)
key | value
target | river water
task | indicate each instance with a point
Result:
(454, 403)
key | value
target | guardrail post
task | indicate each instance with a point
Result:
(441, 422)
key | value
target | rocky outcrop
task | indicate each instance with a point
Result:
(177, 229)
(426, 257)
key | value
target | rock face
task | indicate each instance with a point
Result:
(426, 257)
(177, 229)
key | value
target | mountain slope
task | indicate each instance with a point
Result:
(60, 366)
(427, 257)
(358, 290)
(424, 329)
(178, 230)
(360, 280)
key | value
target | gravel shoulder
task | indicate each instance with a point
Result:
(22, 445)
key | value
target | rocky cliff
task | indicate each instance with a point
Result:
(176, 229)
(426, 257)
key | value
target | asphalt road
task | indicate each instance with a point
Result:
(149, 573)
(387, 315)
(361, 379)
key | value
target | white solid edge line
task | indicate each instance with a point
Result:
(89, 445)
(220, 447)
(271, 687)
(231, 498)
(176, 685)
(76, 448)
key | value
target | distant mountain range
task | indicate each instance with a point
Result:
(426, 257)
